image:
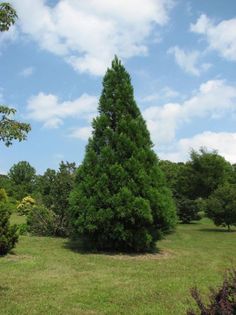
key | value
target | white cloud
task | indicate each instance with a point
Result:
(88, 33)
(47, 108)
(27, 72)
(220, 37)
(223, 142)
(82, 133)
(165, 93)
(189, 61)
(214, 99)
(9, 36)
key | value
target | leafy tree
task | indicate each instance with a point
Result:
(22, 176)
(121, 201)
(221, 205)
(10, 129)
(55, 188)
(3, 195)
(8, 16)
(207, 170)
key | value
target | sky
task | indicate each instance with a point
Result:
(181, 55)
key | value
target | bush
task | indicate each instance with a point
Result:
(8, 234)
(187, 210)
(26, 205)
(41, 221)
(3, 195)
(222, 301)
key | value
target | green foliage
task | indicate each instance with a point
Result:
(42, 221)
(8, 16)
(221, 205)
(55, 188)
(3, 195)
(26, 205)
(120, 201)
(8, 234)
(22, 176)
(11, 129)
(207, 171)
(187, 210)
(222, 301)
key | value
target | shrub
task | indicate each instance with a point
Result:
(8, 234)
(222, 301)
(187, 210)
(41, 221)
(26, 205)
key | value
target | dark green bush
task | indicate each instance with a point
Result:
(187, 210)
(8, 234)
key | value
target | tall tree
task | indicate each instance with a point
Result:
(121, 201)
(10, 129)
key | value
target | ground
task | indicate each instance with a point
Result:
(44, 276)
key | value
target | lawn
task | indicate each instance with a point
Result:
(44, 276)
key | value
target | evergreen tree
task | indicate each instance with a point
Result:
(120, 200)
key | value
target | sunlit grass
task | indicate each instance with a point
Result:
(43, 276)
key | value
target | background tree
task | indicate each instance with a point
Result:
(121, 201)
(22, 176)
(221, 205)
(10, 129)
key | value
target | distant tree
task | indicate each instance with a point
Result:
(60, 192)
(207, 170)
(221, 205)
(10, 129)
(121, 201)
(3, 195)
(22, 176)
(55, 188)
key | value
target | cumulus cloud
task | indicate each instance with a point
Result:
(189, 61)
(82, 133)
(223, 142)
(88, 33)
(220, 37)
(49, 110)
(213, 100)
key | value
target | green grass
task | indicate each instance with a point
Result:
(43, 276)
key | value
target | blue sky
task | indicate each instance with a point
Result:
(181, 56)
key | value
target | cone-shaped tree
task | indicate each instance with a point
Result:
(120, 201)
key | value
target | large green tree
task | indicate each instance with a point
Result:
(121, 201)
(10, 129)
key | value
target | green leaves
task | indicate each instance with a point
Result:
(8, 16)
(11, 129)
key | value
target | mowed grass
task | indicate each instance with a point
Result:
(44, 276)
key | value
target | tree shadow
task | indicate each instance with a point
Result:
(78, 247)
(3, 290)
(217, 230)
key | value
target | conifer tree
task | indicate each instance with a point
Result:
(120, 200)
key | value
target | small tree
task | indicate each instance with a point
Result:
(221, 205)
(8, 234)
(121, 201)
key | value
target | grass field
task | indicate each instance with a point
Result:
(43, 276)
